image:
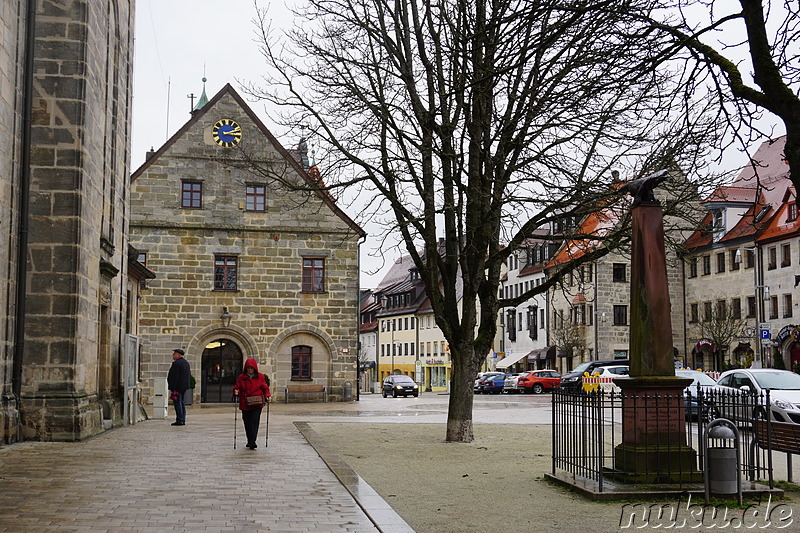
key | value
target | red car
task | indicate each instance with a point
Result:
(537, 381)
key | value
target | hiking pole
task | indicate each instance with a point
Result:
(266, 428)
(234, 420)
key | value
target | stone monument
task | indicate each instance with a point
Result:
(653, 448)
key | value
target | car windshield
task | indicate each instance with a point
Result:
(778, 380)
(705, 381)
(402, 379)
(581, 368)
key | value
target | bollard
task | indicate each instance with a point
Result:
(348, 391)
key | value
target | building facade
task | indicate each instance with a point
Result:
(524, 327)
(65, 86)
(252, 259)
(741, 270)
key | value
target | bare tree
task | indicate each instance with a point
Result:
(751, 51)
(478, 122)
(722, 326)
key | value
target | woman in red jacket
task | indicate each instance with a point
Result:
(253, 392)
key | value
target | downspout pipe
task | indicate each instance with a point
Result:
(24, 212)
(361, 241)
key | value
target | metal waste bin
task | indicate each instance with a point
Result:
(722, 461)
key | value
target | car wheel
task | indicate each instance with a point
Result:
(537, 388)
(384, 394)
(394, 394)
(759, 413)
(416, 394)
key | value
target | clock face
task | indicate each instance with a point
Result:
(226, 133)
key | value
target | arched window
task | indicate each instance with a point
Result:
(301, 363)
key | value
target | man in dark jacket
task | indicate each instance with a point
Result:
(178, 383)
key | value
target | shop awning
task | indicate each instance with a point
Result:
(543, 354)
(510, 360)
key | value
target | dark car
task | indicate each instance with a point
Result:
(494, 385)
(399, 385)
(573, 381)
(481, 379)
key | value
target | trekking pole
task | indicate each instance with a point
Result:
(234, 421)
(266, 428)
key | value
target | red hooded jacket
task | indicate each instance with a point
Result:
(251, 386)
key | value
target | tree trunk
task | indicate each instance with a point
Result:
(459, 413)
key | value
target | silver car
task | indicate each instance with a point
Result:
(751, 385)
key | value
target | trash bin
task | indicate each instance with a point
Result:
(722, 460)
(348, 391)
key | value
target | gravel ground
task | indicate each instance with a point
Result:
(494, 484)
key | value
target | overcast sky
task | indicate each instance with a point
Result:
(178, 41)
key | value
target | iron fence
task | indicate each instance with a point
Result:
(610, 437)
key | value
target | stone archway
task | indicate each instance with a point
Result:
(280, 354)
(245, 347)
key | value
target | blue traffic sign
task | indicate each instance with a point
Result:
(765, 334)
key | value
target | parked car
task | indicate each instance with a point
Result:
(702, 384)
(477, 388)
(572, 381)
(749, 387)
(494, 384)
(399, 384)
(510, 383)
(537, 381)
(613, 371)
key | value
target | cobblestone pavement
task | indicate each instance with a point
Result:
(159, 478)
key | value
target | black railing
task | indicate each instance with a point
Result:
(661, 438)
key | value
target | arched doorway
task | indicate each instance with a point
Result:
(221, 365)
(794, 355)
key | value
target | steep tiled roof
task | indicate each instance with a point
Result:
(732, 194)
(779, 226)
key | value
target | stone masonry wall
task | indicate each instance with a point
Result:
(11, 50)
(270, 314)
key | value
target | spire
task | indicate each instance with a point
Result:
(203, 100)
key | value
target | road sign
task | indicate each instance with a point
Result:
(764, 331)
(765, 334)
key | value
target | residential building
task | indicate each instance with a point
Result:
(740, 269)
(252, 258)
(590, 308)
(525, 326)
(368, 341)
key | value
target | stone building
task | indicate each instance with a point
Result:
(252, 259)
(590, 309)
(65, 79)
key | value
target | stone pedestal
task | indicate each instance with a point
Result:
(654, 448)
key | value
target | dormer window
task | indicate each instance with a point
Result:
(791, 212)
(718, 225)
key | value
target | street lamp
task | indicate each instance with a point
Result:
(226, 318)
(758, 290)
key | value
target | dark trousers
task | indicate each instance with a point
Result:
(251, 419)
(180, 409)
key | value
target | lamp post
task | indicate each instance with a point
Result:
(760, 293)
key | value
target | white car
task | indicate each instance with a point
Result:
(750, 385)
(510, 384)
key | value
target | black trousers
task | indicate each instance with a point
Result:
(251, 419)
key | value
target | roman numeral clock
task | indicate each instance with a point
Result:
(226, 133)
